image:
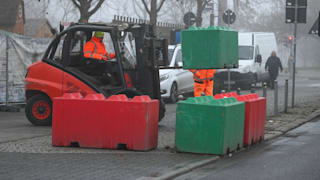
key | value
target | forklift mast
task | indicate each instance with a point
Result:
(151, 52)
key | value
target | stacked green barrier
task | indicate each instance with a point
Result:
(206, 125)
(209, 48)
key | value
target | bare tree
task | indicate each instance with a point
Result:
(201, 4)
(185, 6)
(153, 9)
(223, 5)
(138, 9)
(87, 8)
(236, 6)
(68, 9)
(177, 9)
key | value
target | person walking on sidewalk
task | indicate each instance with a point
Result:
(203, 81)
(273, 65)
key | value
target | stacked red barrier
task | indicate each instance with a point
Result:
(113, 123)
(255, 116)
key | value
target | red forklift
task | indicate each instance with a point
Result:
(63, 69)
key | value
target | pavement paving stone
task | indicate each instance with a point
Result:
(91, 166)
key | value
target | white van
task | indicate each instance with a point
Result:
(252, 45)
(175, 81)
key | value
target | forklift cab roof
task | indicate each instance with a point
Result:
(96, 27)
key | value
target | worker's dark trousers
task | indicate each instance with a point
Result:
(273, 77)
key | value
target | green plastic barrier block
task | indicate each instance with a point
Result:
(209, 48)
(209, 126)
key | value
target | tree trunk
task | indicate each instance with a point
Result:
(84, 16)
(84, 11)
(236, 6)
(84, 7)
(223, 5)
(153, 14)
(199, 13)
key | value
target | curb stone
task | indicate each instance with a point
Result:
(313, 115)
(183, 170)
(286, 129)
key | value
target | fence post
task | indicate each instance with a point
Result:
(252, 88)
(286, 96)
(264, 90)
(275, 97)
(7, 71)
(238, 91)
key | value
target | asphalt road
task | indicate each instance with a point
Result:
(294, 156)
(15, 126)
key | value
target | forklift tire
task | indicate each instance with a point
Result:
(39, 110)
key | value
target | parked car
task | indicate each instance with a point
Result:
(174, 82)
(254, 49)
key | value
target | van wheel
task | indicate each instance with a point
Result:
(174, 93)
(39, 110)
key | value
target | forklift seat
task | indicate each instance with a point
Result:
(75, 59)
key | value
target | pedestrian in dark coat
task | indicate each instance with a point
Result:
(273, 65)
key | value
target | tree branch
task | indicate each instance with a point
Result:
(146, 6)
(95, 9)
(76, 4)
(205, 2)
(160, 6)
(135, 3)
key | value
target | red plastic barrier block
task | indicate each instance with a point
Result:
(255, 116)
(225, 95)
(138, 120)
(77, 120)
(262, 115)
(116, 122)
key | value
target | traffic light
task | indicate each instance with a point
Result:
(288, 41)
(293, 2)
(302, 11)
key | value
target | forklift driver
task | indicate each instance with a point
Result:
(95, 49)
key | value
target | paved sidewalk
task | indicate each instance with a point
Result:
(275, 125)
(90, 166)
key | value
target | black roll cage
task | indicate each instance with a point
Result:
(86, 28)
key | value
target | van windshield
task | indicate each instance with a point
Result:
(246, 52)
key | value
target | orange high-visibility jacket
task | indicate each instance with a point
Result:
(95, 49)
(203, 74)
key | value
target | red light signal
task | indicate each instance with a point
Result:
(290, 38)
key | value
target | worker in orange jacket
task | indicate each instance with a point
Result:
(203, 81)
(95, 48)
